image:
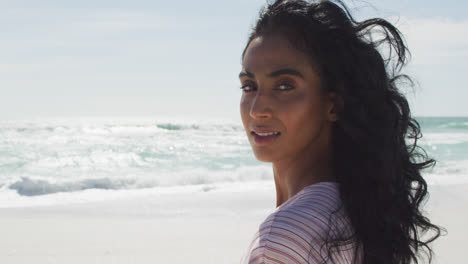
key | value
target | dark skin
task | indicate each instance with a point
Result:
(282, 96)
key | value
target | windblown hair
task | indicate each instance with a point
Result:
(376, 159)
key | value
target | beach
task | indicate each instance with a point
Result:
(169, 191)
(147, 227)
(197, 224)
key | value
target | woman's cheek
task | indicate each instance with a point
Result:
(245, 106)
(294, 104)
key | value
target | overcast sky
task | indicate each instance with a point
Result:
(155, 58)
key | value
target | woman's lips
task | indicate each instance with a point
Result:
(264, 137)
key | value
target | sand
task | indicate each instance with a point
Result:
(201, 224)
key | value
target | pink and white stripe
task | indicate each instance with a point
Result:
(295, 232)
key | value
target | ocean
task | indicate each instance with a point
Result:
(52, 161)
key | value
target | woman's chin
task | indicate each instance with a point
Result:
(264, 157)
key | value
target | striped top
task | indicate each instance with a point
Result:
(296, 231)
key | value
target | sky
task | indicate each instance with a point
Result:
(151, 58)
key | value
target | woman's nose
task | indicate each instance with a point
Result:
(261, 107)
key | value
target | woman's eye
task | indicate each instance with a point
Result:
(247, 88)
(285, 87)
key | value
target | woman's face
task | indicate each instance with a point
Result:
(283, 112)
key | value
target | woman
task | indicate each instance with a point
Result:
(324, 107)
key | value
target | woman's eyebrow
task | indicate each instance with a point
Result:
(286, 71)
(246, 74)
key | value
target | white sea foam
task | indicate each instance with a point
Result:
(445, 138)
(56, 157)
(35, 186)
(448, 172)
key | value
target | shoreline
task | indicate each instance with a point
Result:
(214, 226)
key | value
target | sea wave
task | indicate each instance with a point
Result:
(31, 186)
(109, 126)
(457, 125)
(448, 172)
(444, 138)
(171, 126)
(444, 124)
(41, 159)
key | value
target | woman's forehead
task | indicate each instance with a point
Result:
(271, 52)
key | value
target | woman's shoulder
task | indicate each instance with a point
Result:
(307, 215)
(297, 230)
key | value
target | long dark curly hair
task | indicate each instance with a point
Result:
(376, 158)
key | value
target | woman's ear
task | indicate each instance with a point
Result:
(335, 106)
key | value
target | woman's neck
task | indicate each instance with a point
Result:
(293, 175)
